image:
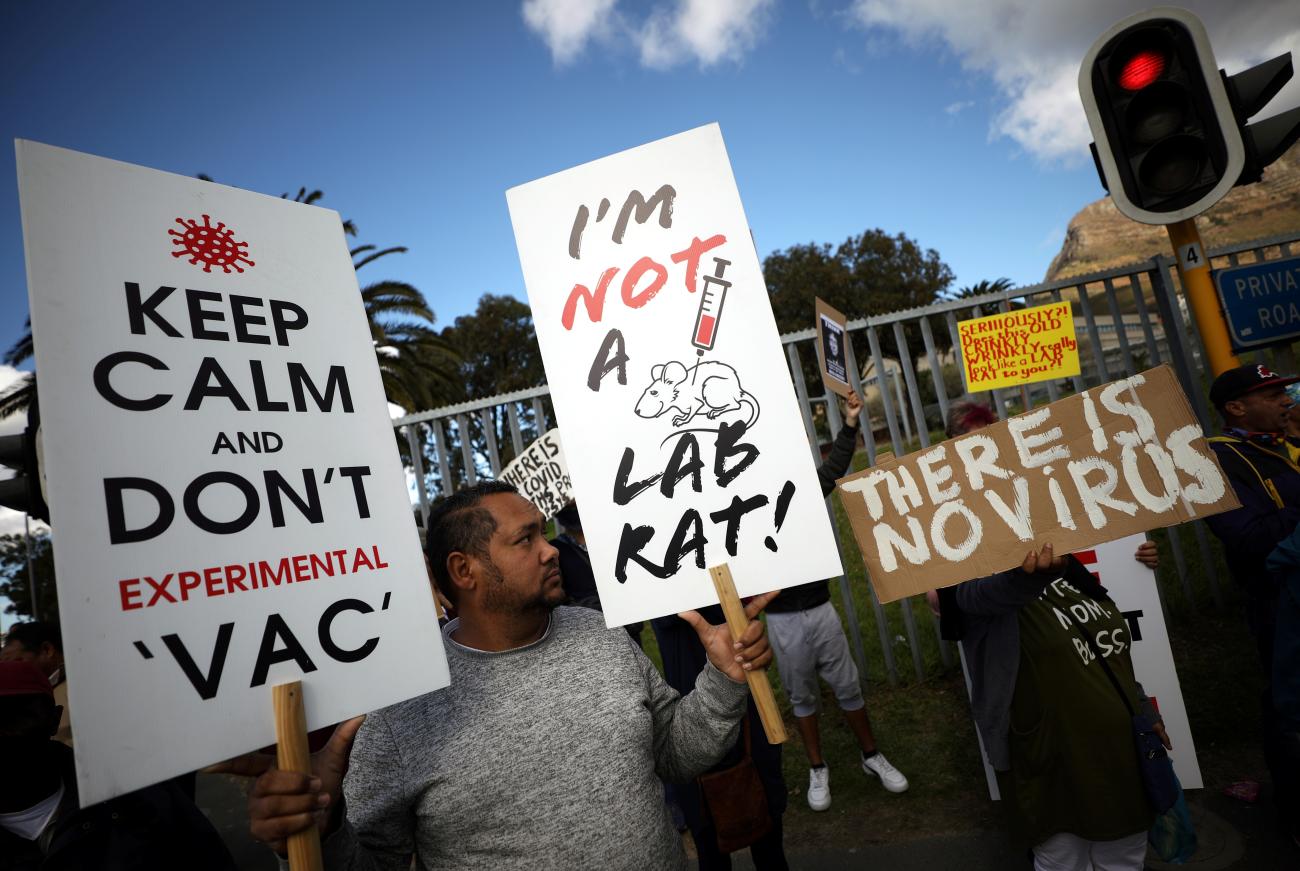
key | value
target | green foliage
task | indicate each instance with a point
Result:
(14, 582)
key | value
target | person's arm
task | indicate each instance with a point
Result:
(1007, 592)
(1286, 556)
(837, 461)
(691, 733)
(1258, 525)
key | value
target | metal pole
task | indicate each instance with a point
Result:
(1194, 269)
(31, 571)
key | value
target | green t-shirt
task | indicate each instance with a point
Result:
(1074, 766)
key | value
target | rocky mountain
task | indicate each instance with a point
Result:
(1099, 237)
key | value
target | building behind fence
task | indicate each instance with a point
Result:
(1127, 319)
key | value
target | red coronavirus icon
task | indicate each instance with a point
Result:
(209, 245)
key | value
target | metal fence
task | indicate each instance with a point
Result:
(1127, 320)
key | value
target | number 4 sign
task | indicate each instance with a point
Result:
(1190, 256)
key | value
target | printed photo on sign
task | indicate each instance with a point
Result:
(668, 379)
(229, 512)
(1117, 459)
(832, 353)
(541, 475)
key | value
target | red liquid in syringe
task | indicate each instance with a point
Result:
(711, 299)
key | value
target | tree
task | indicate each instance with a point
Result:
(984, 287)
(498, 352)
(19, 395)
(871, 274)
(14, 582)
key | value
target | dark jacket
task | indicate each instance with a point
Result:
(836, 464)
(1268, 486)
(986, 618)
(157, 827)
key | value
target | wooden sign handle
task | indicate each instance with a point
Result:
(759, 686)
(293, 754)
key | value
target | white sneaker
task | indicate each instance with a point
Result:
(890, 777)
(819, 788)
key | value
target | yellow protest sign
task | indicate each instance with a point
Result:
(1019, 347)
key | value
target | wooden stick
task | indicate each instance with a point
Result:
(293, 754)
(759, 686)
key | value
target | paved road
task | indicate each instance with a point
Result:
(1232, 835)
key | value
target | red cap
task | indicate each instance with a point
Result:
(23, 679)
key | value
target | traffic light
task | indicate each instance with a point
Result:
(1168, 145)
(20, 452)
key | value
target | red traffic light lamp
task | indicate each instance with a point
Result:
(1167, 140)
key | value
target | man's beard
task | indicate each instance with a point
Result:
(498, 598)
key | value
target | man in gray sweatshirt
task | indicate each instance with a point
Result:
(548, 748)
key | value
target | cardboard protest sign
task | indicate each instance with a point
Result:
(541, 475)
(666, 370)
(1019, 347)
(831, 355)
(1132, 586)
(229, 512)
(1118, 459)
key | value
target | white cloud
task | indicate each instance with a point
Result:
(706, 32)
(566, 26)
(1031, 50)
(958, 107)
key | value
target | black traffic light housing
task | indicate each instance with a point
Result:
(1168, 144)
(20, 452)
(1249, 91)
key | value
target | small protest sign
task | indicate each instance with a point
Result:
(1019, 347)
(831, 354)
(1122, 458)
(229, 512)
(541, 475)
(665, 366)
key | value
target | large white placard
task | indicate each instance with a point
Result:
(228, 508)
(684, 438)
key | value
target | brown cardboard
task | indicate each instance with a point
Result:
(823, 313)
(1087, 443)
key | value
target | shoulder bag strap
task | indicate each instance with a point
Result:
(1114, 681)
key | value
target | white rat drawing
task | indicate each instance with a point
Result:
(707, 388)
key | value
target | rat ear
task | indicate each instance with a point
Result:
(674, 373)
(657, 372)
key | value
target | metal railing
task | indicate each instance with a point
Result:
(475, 439)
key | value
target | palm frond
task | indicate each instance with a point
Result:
(396, 249)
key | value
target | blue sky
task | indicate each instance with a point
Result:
(956, 123)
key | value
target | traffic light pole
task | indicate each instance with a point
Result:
(1194, 270)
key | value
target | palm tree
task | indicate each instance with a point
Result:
(984, 287)
(21, 393)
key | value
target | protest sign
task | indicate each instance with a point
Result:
(666, 370)
(1114, 460)
(1019, 347)
(1132, 586)
(229, 511)
(541, 475)
(831, 355)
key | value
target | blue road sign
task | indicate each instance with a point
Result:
(1261, 302)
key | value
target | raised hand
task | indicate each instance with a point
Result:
(1043, 562)
(735, 659)
(852, 408)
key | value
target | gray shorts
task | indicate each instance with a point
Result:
(811, 643)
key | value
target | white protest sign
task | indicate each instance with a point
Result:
(228, 508)
(541, 474)
(668, 378)
(1132, 586)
